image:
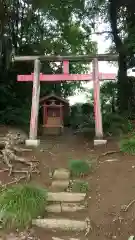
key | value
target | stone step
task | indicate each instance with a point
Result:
(61, 174)
(59, 185)
(62, 224)
(66, 197)
(65, 238)
(65, 207)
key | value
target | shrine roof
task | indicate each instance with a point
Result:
(52, 95)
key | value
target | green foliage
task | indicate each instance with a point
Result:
(19, 204)
(109, 97)
(121, 17)
(130, 127)
(87, 125)
(62, 28)
(15, 116)
(40, 28)
(80, 186)
(79, 168)
(115, 125)
(82, 119)
(128, 146)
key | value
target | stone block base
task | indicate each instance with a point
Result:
(32, 143)
(100, 142)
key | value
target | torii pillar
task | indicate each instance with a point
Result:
(97, 105)
(33, 141)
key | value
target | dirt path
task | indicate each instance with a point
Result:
(112, 185)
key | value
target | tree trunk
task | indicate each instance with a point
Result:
(113, 104)
(122, 61)
(123, 87)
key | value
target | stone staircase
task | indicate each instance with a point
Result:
(63, 205)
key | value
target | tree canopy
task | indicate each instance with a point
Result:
(120, 16)
(61, 27)
(40, 27)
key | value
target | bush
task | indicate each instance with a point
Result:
(15, 116)
(83, 122)
(79, 168)
(115, 124)
(128, 146)
(19, 204)
(82, 116)
(80, 186)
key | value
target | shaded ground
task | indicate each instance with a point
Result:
(112, 185)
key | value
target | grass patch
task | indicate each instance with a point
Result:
(19, 204)
(128, 146)
(80, 186)
(79, 168)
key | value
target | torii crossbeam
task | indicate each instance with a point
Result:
(36, 77)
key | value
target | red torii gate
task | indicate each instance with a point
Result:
(36, 77)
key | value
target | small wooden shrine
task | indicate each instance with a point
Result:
(54, 109)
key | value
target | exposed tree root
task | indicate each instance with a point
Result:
(9, 157)
(89, 227)
(4, 186)
(19, 171)
(125, 208)
(18, 149)
(106, 153)
(109, 152)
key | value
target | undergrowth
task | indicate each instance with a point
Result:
(80, 186)
(19, 204)
(128, 146)
(79, 168)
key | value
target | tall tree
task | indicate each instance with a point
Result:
(120, 15)
(41, 27)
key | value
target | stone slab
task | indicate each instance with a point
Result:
(61, 174)
(66, 197)
(32, 143)
(65, 207)
(59, 185)
(61, 224)
(99, 142)
(65, 238)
